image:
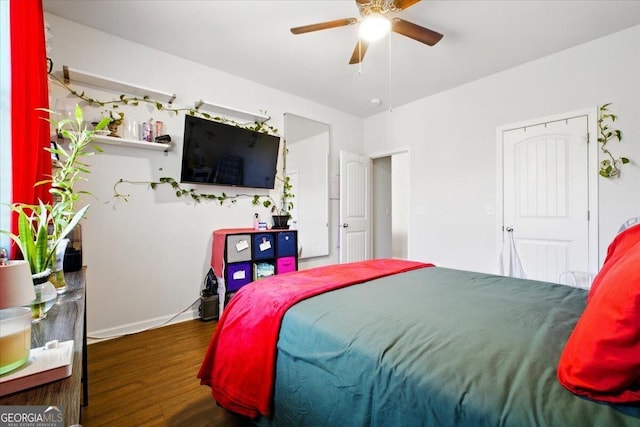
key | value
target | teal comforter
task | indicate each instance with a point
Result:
(433, 347)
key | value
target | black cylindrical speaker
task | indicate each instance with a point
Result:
(209, 308)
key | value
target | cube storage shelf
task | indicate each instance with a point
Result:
(241, 256)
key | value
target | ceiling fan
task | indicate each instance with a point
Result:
(375, 25)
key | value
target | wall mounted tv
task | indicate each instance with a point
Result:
(223, 154)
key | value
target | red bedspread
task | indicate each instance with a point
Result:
(241, 359)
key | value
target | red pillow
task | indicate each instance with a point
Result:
(617, 248)
(601, 359)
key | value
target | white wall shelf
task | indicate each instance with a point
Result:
(71, 75)
(111, 140)
(233, 112)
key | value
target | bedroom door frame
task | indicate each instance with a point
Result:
(401, 205)
(592, 182)
(400, 226)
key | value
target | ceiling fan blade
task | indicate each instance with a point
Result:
(416, 32)
(358, 53)
(403, 4)
(324, 25)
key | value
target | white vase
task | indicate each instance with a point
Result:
(46, 296)
(57, 276)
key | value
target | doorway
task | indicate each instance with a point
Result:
(391, 207)
(375, 218)
(548, 196)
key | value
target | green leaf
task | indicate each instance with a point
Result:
(624, 160)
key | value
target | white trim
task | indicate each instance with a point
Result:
(390, 153)
(378, 154)
(145, 325)
(592, 172)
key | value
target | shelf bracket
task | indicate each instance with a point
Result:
(65, 74)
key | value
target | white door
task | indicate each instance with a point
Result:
(355, 207)
(546, 197)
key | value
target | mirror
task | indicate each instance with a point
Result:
(307, 167)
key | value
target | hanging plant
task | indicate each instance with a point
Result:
(264, 200)
(609, 167)
(285, 205)
(123, 99)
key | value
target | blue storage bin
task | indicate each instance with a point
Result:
(263, 246)
(287, 245)
(238, 275)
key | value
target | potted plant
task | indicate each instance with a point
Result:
(42, 227)
(70, 170)
(38, 248)
(35, 242)
(609, 167)
(115, 119)
(280, 208)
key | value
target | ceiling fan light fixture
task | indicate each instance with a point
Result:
(374, 27)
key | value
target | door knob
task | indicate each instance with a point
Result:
(345, 225)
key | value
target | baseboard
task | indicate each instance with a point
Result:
(132, 328)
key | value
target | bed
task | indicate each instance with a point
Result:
(411, 345)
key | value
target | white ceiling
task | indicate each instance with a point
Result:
(251, 39)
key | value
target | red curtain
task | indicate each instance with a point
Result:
(30, 133)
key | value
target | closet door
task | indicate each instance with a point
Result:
(546, 203)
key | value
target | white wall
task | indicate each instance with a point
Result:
(400, 169)
(147, 258)
(452, 138)
(381, 177)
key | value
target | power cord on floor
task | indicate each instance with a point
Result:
(146, 329)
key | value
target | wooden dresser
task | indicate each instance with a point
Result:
(65, 321)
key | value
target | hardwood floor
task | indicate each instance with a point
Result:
(149, 379)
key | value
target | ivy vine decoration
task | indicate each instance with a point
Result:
(264, 200)
(123, 99)
(283, 208)
(610, 167)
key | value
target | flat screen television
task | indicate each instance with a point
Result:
(223, 154)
